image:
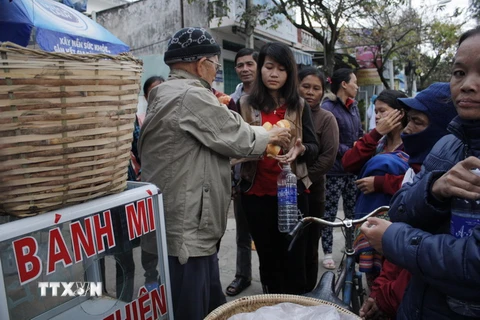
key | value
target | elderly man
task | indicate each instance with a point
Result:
(186, 141)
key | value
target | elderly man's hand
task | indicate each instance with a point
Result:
(279, 136)
(374, 229)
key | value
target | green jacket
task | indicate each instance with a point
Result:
(185, 144)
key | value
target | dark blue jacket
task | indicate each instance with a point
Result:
(394, 163)
(446, 270)
(349, 126)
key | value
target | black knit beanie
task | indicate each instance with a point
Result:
(190, 44)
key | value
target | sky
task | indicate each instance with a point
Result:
(449, 8)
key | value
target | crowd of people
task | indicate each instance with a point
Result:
(203, 149)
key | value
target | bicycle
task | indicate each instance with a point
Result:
(348, 280)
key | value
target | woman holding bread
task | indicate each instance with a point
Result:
(274, 100)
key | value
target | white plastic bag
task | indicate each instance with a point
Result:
(292, 311)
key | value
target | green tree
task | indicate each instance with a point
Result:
(392, 27)
(475, 9)
(440, 42)
(410, 37)
(326, 19)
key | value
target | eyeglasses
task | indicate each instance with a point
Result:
(218, 66)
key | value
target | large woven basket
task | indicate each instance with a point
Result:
(252, 303)
(66, 126)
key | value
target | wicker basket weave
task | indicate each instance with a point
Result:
(252, 303)
(66, 124)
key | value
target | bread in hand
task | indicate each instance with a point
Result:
(284, 124)
(225, 99)
(274, 150)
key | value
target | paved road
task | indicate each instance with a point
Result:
(228, 251)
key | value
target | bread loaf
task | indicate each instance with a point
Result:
(274, 150)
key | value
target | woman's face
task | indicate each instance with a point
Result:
(381, 110)
(274, 75)
(311, 90)
(351, 87)
(465, 80)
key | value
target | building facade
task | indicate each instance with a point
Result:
(147, 25)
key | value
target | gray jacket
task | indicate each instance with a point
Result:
(185, 145)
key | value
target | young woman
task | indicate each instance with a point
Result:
(380, 163)
(390, 119)
(341, 183)
(312, 84)
(275, 97)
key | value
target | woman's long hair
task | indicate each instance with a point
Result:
(260, 97)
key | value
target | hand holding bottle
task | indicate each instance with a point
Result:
(459, 181)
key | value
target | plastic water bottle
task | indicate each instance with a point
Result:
(287, 199)
(465, 215)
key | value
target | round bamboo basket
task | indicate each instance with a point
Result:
(66, 127)
(252, 303)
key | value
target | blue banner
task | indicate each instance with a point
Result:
(61, 42)
(59, 28)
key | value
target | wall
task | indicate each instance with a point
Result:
(226, 55)
(147, 25)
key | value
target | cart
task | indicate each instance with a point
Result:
(86, 261)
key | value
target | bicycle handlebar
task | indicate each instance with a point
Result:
(347, 222)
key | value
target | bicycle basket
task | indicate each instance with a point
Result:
(252, 303)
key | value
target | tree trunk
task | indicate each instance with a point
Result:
(386, 83)
(329, 59)
(249, 24)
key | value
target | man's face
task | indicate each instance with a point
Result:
(209, 68)
(246, 68)
(417, 122)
